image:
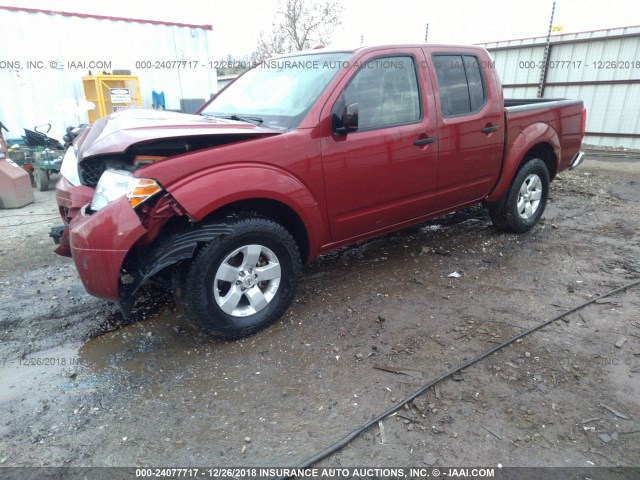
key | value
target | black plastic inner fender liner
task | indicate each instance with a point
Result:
(171, 250)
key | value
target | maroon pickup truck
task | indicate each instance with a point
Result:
(301, 155)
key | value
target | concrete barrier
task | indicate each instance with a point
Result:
(15, 185)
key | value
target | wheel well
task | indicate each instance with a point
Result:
(276, 211)
(545, 152)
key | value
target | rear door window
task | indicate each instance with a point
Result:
(460, 84)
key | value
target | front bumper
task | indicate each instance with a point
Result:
(70, 199)
(99, 244)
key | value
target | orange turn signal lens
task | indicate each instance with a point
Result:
(140, 189)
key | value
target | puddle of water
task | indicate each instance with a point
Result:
(141, 349)
(137, 347)
(45, 370)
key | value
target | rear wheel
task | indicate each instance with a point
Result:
(244, 281)
(524, 203)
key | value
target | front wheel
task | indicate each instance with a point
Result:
(243, 281)
(523, 204)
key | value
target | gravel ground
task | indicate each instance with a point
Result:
(81, 387)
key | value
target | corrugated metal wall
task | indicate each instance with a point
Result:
(33, 96)
(600, 67)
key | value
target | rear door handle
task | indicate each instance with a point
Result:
(490, 129)
(424, 141)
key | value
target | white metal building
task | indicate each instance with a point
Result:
(601, 67)
(45, 54)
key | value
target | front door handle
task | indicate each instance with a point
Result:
(424, 141)
(494, 128)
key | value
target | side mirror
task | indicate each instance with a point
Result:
(349, 120)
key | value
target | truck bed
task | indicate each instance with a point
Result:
(563, 116)
(523, 104)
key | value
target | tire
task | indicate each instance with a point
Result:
(223, 292)
(41, 179)
(524, 203)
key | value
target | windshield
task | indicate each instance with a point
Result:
(278, 92)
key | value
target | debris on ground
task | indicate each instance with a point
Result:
(404, 371)
(383, 438)
(621, 341)
(614, 411)
(492, 432)
(430, 459)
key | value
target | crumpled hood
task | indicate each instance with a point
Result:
(118, 131)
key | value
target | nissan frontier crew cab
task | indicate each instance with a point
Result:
(301, 155)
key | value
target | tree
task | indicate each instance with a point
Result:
(299, 25)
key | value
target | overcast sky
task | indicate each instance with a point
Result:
(237, 24)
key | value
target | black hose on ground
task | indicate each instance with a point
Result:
(347, 438)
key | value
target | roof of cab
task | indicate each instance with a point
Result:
(367, 48)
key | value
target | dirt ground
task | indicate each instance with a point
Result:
(81, 387)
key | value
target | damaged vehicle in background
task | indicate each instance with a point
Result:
(299, 156)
